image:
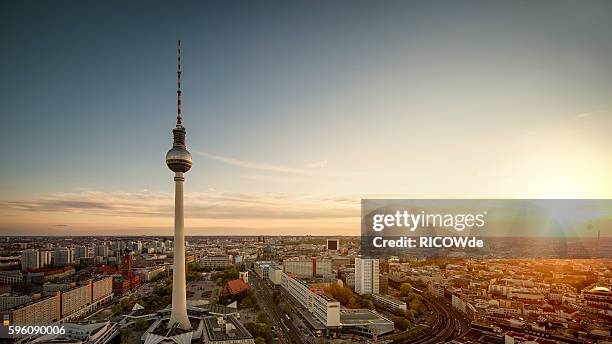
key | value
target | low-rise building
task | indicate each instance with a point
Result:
(225, 330)
(389, 303)
(262, 267)
(220, 261)
(323, 308)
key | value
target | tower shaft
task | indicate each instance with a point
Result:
(178, 316)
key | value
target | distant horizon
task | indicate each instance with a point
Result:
(203, 236)
(290, 235)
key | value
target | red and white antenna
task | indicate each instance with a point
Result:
(179, 117)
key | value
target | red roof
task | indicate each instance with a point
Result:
(236, 286)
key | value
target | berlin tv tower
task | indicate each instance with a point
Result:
(178, 160)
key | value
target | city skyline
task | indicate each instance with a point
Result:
(297, 112)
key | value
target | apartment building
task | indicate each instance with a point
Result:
(9, 301)
(65, 305)
(366, 276)
(29, 260)
(44, 258)
(40, 312)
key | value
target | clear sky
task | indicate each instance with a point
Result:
(296, 110)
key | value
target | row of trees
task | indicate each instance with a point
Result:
(261, 329)
(414, 307)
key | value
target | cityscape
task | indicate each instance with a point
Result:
(199, 172)
(287, 289)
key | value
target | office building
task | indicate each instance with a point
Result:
(307, 266)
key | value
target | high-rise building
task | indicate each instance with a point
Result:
(44, 258)
(119, 247)
(179, 161)
(61, 256)
(101, 250)
(366, 276)
(29, 260)
(81, 252)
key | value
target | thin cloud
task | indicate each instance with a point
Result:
(263, 166)
(583, 115)
(208, 205)
(252, 165)
(317, 164)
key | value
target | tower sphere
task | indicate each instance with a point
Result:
(178, 159)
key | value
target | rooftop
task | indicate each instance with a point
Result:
(225, 328)
(354, 317)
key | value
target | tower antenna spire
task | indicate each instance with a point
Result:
(179, 93)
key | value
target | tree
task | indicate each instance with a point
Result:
(401, 323)
(343, 294)
(260, 330)
(260, 340)
(262, 318)
(140, 324)
(406, 289)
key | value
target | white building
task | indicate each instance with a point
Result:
(366, 276)
(389, 303)
(323, 308)
(44, 258)
(29, 260)
(149, 273)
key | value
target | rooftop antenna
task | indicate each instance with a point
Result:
(179, 117)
